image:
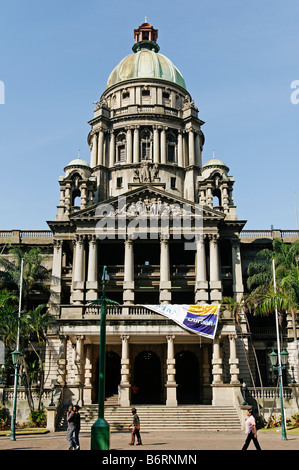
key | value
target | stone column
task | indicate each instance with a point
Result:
(233, 360)
(129, 285)
(112, 149)
(136, 145)
(62, 361)
(87, 397)
(78, 283)
(163, 145)
(156, 145)
(217, 370)
(55, 291)
(198, 160)
(124, 396)
(180, 149)
(171, 399)
(191, 147)
(93, 150)
(201, 282)
(129, 145)
(238, 288)
(79, 371)
(165, 284)
(215, 282)
(92, 272)
(100, 148)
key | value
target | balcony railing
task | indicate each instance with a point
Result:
(270, 392)
(114, 312)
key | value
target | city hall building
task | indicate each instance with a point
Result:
(165, 225)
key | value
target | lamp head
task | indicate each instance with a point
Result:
(273, 358)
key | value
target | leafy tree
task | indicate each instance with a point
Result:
(34, 275)
(264, 298)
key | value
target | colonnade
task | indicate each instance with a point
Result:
(76, 369)
(188, 146)
(207, 288)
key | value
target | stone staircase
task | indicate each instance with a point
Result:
(153, 417)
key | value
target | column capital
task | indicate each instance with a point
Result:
(125, 337)
(170, 337)
(200, 237)
(92, 239)
(57, 243)
(213, 237)
(235, 242)
(164, 237)
(79, 239)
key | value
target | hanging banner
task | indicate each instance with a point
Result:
(200, 319)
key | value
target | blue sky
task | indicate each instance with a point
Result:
(238, 59)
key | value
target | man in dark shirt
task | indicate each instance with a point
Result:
(71, 425)
(77, 427)
(136, 428)
(73, 428)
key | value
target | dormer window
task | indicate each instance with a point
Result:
(146, 96)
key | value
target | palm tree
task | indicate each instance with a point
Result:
(34, 327)
(34, 274)
(8, 318)
(263, 297)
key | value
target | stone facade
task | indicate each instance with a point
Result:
(166, 227)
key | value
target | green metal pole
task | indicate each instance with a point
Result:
(13, 424)
(283, 428)
(100, 432)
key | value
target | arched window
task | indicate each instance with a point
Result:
(217, 199)
(121, 147)
(171, 144)
(76, 191)
(146, 145)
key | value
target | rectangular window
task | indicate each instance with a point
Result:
(171, 153)
(119, 182)
(145, 151)
(121, 153)
(173, 183)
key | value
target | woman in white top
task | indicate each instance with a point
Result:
(250, 430)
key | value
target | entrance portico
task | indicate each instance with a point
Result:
(166, 364)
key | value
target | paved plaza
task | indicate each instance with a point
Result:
(158, 441)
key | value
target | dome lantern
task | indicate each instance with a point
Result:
(145, 62)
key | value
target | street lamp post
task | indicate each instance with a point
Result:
(100, 432)
(17, 358)
(280, 357)
(284, 359)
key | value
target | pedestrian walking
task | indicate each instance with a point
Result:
(136, 429)
(71, 426)
(250, 429)
(77, 427)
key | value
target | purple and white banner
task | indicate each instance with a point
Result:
(199, 319)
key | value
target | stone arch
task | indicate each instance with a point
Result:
(187, 377)
(147, 377)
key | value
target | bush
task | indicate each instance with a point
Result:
(4, 424)
(38, 418)
(295, 420)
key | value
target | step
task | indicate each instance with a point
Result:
(194, 417)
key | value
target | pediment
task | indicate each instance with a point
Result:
(147, 201)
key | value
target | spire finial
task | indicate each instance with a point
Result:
(213, 153)
(145, 19)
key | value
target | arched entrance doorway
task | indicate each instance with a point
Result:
(112, 377)
(147, 379)
(187, 378)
